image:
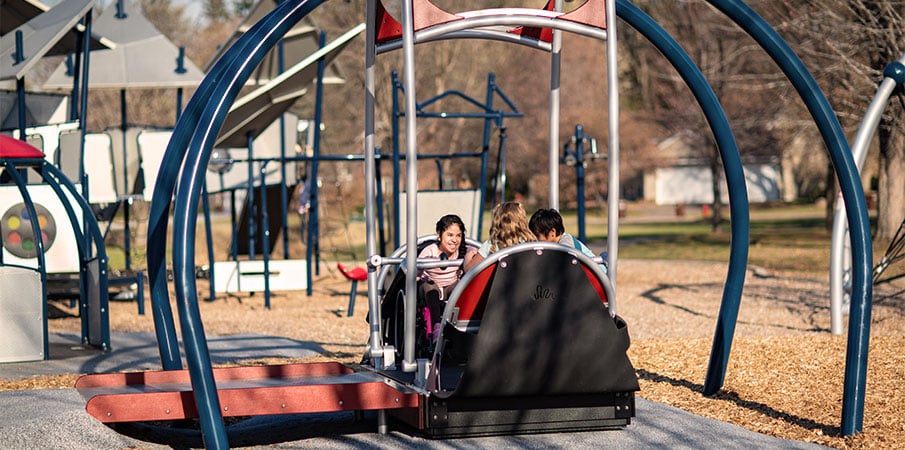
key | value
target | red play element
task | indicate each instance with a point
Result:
(472, 300)
(425, 14)
(592, 12)
(388, 28)
(354, 275)
(12, 148)
(243, 391)
(541, 34)
(595, 282)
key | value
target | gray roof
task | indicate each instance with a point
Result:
(16, 13)
(143, 57)
(298, 43)
(255, 111)
(39, 108)
(41, 35)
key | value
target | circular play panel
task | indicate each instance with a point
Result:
(18, 234)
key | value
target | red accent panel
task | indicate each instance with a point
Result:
(472, 301)
(220, 374)
(424, 14)
(595, 282)
(12, 148)
(541, 34)
(592, 12)
(298, 399)
(388, 28)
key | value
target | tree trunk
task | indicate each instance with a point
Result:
(830, 194)
(891, 207)
(716, 174)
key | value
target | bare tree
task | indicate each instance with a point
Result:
(737, 71)
(847, 44)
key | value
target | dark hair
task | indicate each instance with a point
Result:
(448, 221)
(544, 220)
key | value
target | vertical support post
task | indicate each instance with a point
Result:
(553, 147)
(127, 190)
(613, 191)
(250, 198)
(579, 175)
(411, 185)
(375, 340)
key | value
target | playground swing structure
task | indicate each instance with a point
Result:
(422, 382)
(546, 418)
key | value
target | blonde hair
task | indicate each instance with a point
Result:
(509, 226)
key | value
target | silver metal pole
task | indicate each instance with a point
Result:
(840, 252)
(376, 341)
(614, 187)
(555, 70)
(411, 186)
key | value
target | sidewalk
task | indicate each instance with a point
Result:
(57, 418)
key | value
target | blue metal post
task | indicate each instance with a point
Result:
(265, 236)
(206, 208)
(397, 86)
(735, 180)
(250, 211)
(579, 175)
(852, 193)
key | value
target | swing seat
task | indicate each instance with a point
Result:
(354, 275)
(537, 347)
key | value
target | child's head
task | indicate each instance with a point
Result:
(509, 225)
(547, 225)
(450, 234)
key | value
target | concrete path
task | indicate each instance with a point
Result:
(56, 419)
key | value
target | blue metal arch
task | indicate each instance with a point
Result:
(735, 177)
(837, 146)
(855, 204)
(197, 128)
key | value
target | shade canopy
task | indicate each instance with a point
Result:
(142, 59)
(40, 109)
(16, 13)
(297, 44)
(41, 36)
(252, 113)
(12, 148)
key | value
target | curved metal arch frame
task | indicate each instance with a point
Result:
(852, 192)
(198, 127)
(494, 35)
(57, 181)
(813, 98)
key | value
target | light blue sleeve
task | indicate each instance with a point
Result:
(485, 249)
